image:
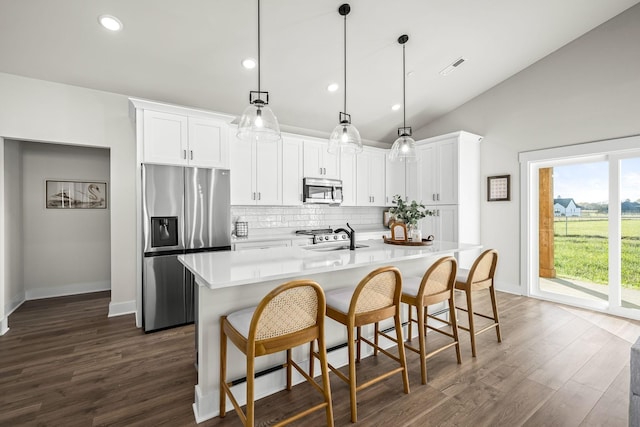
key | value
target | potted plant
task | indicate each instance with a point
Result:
(410, 214)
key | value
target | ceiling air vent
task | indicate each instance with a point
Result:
(452, 66)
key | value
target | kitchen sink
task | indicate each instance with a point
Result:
(330, 248)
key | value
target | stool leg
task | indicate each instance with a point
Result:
(326, 384)
(494, 304)
(288, 369)
(223, 368)
(472, 329)
(423, 343)
(359, 348)
(454, 326)
(352, 375)
(401, 353)
(409, 329)
(250, 390)
(311, 359)
(376, 333)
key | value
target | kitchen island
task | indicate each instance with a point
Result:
(231, 280)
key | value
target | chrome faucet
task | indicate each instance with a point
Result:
(351, 234)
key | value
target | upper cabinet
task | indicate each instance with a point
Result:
(448, 169)
(395, 182)
(175, 135)
(318, 162)
(349, 178)
(370, 186)
(256, 172)
(292, 170)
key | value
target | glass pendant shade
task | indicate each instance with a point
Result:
(403, 150)
(258, 123)
(345, 138)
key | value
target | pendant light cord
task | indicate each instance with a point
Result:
(345, 63)
(404, 91)
(258, 46)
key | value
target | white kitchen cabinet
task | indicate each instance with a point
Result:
(208, 143)
(292, 170)
(179, 139)
(256, 172)
(447, 179)
(443, 225)
(349, 178)
(395, 182)
(318, 162)
(439, 169)
(370, 173)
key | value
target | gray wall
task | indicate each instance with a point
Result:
(14, 293)
(586, 91)
(66, 251)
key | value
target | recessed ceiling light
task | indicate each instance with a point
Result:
(249, 63)
(333, 87)
(110, 22)
(396, 107)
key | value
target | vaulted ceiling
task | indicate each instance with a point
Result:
(190, 52)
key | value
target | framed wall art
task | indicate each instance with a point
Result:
(499, 188)
(75, 195)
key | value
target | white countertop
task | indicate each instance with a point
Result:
(224, 269)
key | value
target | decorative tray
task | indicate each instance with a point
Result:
(424, 242)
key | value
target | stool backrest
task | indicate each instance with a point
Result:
(484, 268)
(379, 289)
(440, 277)
(289, 308)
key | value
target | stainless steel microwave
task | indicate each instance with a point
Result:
(321, 190)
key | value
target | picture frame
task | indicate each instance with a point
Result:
(75, 194)
(499, 188)
(399, 232)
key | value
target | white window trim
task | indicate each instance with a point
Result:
(612, 150)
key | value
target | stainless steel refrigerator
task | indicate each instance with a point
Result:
(184, 210)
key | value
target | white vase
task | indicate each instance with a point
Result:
(415, 235)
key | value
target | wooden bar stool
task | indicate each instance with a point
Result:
(376, 298)
(289, 316)
(437, 285)
(478, 278)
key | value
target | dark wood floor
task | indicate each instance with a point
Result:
(64, 363)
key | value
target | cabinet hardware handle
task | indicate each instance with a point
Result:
(184, 154)
(320, 171)
(259, 196)
(386, 199)
(438, 196)
(373, 199)
(253, 196)
(191, 154)
(433, 196)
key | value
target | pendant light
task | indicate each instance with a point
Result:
(345, 137)
(258, 123)
(404, 148)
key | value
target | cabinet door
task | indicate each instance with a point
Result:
(447, 222)
(447, 172)
(377, 163)
(242, 171)
(330, 162)
(349, 179)
(312, 160)
(208, 143)
(395, 181)
(363, 197)
(292, 173)
(412, 181)
(427, 173)
(268, 167)
(165, 138)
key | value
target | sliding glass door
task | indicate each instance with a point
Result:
(581, 225)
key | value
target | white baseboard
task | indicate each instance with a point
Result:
(4, 326)
(71, 289)
(14, 304)
(122, 308)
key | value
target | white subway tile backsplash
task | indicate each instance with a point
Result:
(272, 218)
